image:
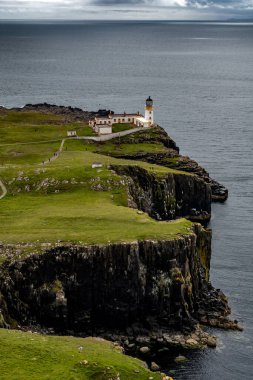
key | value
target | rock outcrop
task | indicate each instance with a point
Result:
(69, 114)
(147, 295)
(170, 158)
(135, 287)
(167, 196)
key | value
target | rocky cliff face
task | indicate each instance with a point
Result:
(171, 159)
(114, 287)
(167, 196)
(174, 161)
(139, 292)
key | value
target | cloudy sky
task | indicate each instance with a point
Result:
(126, 9)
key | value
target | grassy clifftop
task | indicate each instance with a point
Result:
(34, 356)
(66, 199)
(52, 193)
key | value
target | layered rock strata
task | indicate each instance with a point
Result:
(170, 158)
(144, 288)
(148, 295)
(167, 196)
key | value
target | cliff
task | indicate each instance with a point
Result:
(126, 288)
(168, 156)
(167, 196)
(102, 251)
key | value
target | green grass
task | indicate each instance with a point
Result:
(116, 148)
(119, 127)
(28, 153)
(27, 127)
(27, 356)
(81, 216)
(67, 199)
(93, 153)
(29, 117)
(32, 137)
(77, 203)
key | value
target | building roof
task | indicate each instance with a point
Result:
(125, 114)
(118, 115)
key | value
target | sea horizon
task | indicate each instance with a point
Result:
(199, 74)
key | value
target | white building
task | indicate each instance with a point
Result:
(103, 124)
(71, 134)
(102, 129)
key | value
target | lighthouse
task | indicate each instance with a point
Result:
(149, 111)
(103, 122)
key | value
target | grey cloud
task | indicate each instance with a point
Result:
(180, 9)
(241, 4)
(118, 2)
(171, 3)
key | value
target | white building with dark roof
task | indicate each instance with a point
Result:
(102, 124)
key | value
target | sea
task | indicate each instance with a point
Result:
(200, 76)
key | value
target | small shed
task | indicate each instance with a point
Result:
(71, 134)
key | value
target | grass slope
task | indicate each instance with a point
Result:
(28, 356)
(119, 127)
(27, 127)
(67, 199)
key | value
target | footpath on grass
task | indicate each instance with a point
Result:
(111, 136)
(93, 138)
(57, 154)
(4, 190)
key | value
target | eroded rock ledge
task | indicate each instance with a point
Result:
(171, 159)
(149, 295)
(169, 196)
(139, 290)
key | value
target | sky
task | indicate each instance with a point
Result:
(126, 9)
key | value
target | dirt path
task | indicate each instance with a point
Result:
(93, 138)
(57, 154)
(4, 190)
(111, 136)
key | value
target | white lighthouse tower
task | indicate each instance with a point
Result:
(149, 111)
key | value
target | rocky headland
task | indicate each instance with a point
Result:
(150, 295)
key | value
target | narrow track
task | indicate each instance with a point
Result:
(57, 154)
(4, 190)
(93, 138)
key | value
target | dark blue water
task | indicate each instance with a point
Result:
(201, 78)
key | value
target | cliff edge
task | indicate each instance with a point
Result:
(99, 238)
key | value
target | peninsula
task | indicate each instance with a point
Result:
(103, 234)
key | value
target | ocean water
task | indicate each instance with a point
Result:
(200, 76)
